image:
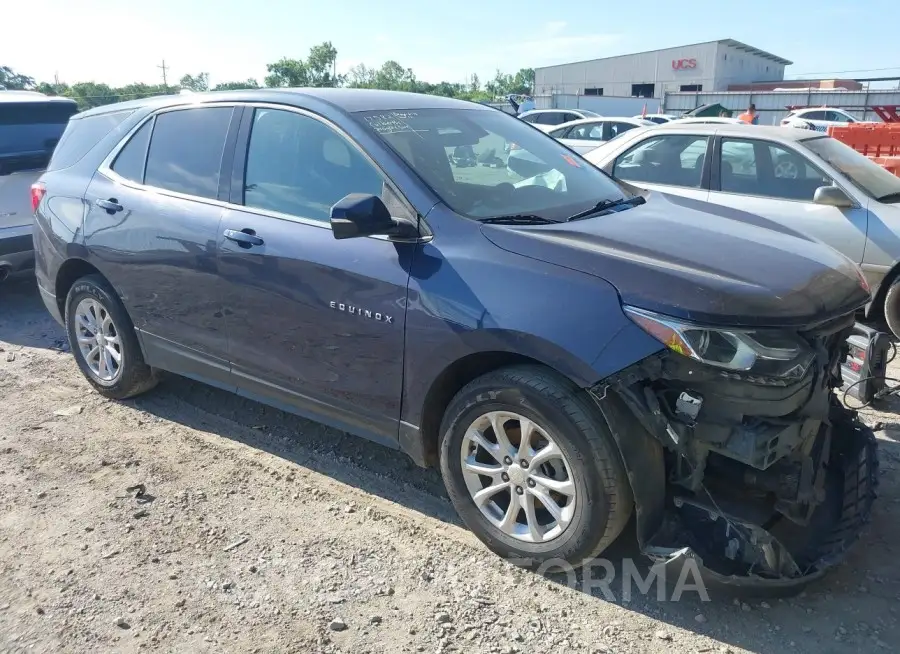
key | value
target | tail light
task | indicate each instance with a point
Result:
(37, 194)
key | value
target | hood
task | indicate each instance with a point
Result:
(701, 262)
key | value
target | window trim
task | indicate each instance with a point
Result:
(235, 154)
(705, 174)
(715, 181)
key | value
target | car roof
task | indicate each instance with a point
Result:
(775, 133)
(348, 100)
(603, 119)
(31, 96)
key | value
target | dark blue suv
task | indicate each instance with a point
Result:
(565, 347)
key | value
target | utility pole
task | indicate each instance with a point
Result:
(164, 69)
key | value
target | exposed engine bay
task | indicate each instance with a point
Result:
(765, 477)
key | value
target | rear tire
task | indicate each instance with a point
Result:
(103, 340)
(586, 481)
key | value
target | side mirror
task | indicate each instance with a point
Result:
(361, 214)
(832, 196)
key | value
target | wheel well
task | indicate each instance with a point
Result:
(876, 309)
(450, 382)
(69, 273)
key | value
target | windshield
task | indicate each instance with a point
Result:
(486, 164)
(872, 179)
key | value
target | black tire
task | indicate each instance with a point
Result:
(604, 499)
(892, 308)
(135, 376)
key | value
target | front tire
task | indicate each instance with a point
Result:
(892, 308)
(103, 340)
(532, 468)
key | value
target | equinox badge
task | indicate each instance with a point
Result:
(363, 313)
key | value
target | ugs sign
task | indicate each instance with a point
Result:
(683, 64)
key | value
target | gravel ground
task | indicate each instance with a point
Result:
(190, 520)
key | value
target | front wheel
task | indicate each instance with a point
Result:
(532, 469)
(103, 340)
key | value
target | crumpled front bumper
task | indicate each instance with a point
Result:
(851, 490)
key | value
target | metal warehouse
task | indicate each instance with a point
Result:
(710, 66)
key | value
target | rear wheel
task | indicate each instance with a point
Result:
(103, 340)
(532, 469)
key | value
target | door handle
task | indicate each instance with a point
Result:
(244, 237)
(111, 206)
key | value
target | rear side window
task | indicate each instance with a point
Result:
(82, 135)
(130, 161)
(29, 131)
(186, 150)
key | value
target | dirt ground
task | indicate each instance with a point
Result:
(190, 520)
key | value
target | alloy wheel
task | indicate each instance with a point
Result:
(98, 340)
(518, 477)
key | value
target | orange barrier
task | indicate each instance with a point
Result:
(872, 140)
(891, 164)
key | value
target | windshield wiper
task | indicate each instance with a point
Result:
(603, 205)
(890, 198)
(517, 219)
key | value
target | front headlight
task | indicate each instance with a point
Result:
(771, 353)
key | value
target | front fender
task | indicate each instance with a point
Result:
(481, 299)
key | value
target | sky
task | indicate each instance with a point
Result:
(123, 41)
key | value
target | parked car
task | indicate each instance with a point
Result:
(707, 120)
(586, 134)
(562, 354)
(659, 119)
(547, 119)
(818, 119)
(801, 179)
(30, 126)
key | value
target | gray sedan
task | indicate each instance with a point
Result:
(803, 179)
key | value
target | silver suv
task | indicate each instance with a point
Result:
(31, 125)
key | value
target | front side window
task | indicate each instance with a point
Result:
(519, 171)
(186, 150)
(868, 176)
(131, 159)
(838, 117)
(673, 159)
(300, 166)
(761, 168)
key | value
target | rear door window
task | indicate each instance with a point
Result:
(29, 131)
(82, 135)
(675, 160)
(186, 150)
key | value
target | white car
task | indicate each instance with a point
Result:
(586, 134)
(818, 119)
(802, 179)
(547, 119)
(659, 119)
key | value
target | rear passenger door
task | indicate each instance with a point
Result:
(672, 163)
(153, 218)
(314, 323)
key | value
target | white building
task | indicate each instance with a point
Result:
(701, 67)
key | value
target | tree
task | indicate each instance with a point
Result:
(237, 86)
(91, 94)
(199, 83)
(523, 82)
(316, 70)
(286, 72)
(361, 77)
(12, 81)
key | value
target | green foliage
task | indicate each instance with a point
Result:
(318, 69)
(11, 81)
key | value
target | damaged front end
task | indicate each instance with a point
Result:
(739, 453)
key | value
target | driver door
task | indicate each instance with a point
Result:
(777, 182)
